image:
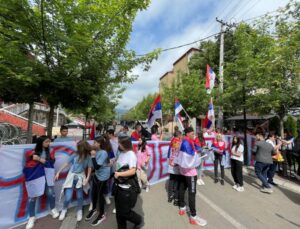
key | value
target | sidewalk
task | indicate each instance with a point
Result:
(282, 182)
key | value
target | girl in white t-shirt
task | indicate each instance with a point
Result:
(125, 191)
(237, 160)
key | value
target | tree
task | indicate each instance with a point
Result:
(81, 44)
(141, 109)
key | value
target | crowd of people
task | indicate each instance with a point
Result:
(110, 166)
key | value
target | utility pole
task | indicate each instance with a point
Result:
(221, 65)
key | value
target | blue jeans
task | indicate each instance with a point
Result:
(271, 171)
(261, 170)
(199, 170)
(69, 194)
(50, 196)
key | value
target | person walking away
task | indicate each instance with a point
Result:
(237, 160)
(143, 159)
(174, 173)
(272, 169)
(263, 152)
(76, 178)
(125, 188)
(64, 130)
(39, 177)
(188, 160)
(218, 147)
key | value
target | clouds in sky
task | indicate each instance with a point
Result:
(168, 23)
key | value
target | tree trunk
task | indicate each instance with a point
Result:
(50, 121)
(30, 122)
(281, 126)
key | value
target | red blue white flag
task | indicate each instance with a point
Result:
(155, 112)
(178, 118)
(210, 79)
(210, 116)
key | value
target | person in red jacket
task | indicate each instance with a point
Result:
(218, 147)
(136, 135)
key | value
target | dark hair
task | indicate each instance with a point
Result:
(188, 130)
(39, 147)
(238, 143)
(126, 127)
(270, 135)
(110, 131)
(63, 127)
(104, 144)
(137, 125)
(142, 146)
(83, 149)
(154, 129)
(126, 143)
(177, 133)
(260, 131)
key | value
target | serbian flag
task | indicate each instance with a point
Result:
(155, 112)
(35, 179)
(188, 158)
(210, 79)
(178, 118)
(210, 116)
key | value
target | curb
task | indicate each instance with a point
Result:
(249, 170)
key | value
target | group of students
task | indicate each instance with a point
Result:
(90, 166)
(186, 157)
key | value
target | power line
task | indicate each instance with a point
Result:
(186, 44)
(215, 34)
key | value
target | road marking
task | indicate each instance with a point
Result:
(221, 212)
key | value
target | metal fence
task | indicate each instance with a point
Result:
(11, 135)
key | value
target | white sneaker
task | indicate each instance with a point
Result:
(79, 215)
(114, 211)
(107, 200)
(240, 189)
(196, 220)
(147, 188)
(54, 213)
(30, 223)
(235, 186)
(62, 214)
(200, 182)
(266, 190)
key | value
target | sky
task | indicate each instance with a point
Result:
(169, 23)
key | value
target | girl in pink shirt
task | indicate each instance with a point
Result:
(143, 158)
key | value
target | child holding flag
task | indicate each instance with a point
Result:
(39, 175)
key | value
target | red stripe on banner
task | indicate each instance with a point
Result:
(162, 160)
(23, 203)
(153, 161)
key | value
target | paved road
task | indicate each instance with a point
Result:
(222, 206)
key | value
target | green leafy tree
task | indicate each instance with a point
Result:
(80, 44)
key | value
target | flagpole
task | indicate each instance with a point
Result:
(186, 114)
